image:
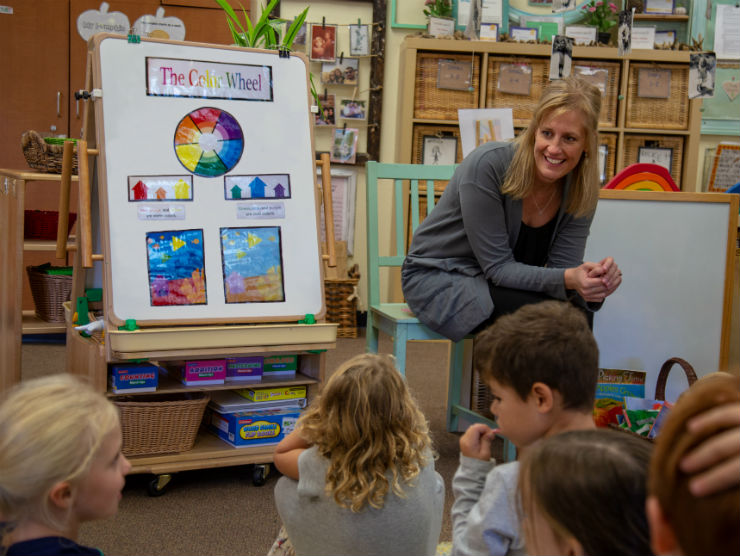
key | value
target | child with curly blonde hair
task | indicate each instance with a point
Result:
(60, 465)
(359, 469)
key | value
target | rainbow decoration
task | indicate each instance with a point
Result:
(643, 177)
(209, 142)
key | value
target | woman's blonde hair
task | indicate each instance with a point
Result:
(565, 95)
(50, 430)
(367, 424)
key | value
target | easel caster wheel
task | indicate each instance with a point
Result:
(260, 473)
(158, 485)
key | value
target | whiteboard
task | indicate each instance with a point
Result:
(676, 253)
(207, 183)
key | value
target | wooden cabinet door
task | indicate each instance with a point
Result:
(34, 47)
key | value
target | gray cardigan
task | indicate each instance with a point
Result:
(468, 240)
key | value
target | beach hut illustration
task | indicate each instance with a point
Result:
(236, 192)
(279, 190)
(140, 191)
(257, 188)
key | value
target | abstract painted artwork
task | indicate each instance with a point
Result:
(176, 267)
(252, 264)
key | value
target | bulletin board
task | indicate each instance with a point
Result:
(676, 251)
(206, 183)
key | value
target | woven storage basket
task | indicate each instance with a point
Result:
(43, 156)
(434, 103)
(661, 113)
(423, 130)
(522, 106)
(610, 141)
(49, 291)
(632, 144)
(162, 424)
(605, 74)
(340, 308)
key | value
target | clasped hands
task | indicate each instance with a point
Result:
(594, 281)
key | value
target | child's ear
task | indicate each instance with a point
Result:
(61, 495)
(662, 538)
(543, 396)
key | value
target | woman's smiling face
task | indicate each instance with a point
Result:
(559, 143)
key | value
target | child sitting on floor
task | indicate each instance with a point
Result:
(60, 465)
(583, 492)
(541, 364)
(692, 513)
(359, 470)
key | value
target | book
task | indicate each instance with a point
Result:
(611, 389)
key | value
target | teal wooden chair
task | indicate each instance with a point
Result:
(399, 185)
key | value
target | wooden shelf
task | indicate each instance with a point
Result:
(34, 325)
(661, 17)
(47, 244)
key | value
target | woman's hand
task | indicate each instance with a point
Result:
(594, 281)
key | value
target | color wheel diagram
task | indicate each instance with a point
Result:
(209, 142)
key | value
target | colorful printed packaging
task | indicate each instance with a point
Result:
(245, 428)
(611, 389)
(200, 373)
(135, 377)
(244, 368)
(280, 365)
(268, 394)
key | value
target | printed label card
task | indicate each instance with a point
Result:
(654, 83)
(455, 75)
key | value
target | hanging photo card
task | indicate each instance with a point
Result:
(702, 68)
(344, 72)
(353, 109)
(325, 115)
(515, 79)
(455, 75)
(481, 125)
(561, 56)
(662, 156)
(359, 40)
(344, 146)
(654, 83)
(323, 43)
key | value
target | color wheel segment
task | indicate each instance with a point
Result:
(209, 142)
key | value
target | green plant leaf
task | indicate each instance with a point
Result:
(292, 31)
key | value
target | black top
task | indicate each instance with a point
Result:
(533, 244)
(50, 546)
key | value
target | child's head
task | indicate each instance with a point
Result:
(60, 453)
(583, 492)
(546, 346)
(681, 522)
(366, 422)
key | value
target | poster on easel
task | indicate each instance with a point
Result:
(206, 181)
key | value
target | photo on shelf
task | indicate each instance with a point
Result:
(439, 150)
(359, 40)
(624, 33)
(340, 73)
(702, 68)
(344, 145)
(323, 43)
(353, 109)
(325, 115)
(561, 57)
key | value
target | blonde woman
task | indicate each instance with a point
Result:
(511, 226)
(60, 465)
(359, 471)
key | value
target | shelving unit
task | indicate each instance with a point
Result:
(616, 130)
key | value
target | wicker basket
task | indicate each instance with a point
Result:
(162, 424)
(606, 75)
(609, 140)
(49, 291)
(522, 106)
(341, 305)
(433, 103)
(43, 156)
(661, 113)
(42, 224)
(632, 144)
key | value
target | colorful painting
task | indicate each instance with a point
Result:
(176, 267)
(257, 186)
(160, 188)
(252, 264)
(209, 142)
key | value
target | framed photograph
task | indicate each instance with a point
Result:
(489, 31)
(702, 68)
(344, 145)
(323, 43)
(325, 116)
(340, 73)
(661, 156)
(658, 7)
(353, 109)
(438, 150)
(359, 40)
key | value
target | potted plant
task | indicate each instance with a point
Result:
(601, 15)
(439, 17)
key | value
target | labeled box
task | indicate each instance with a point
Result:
(251, 428)
(201, 372)
(271, 394)
(134, 377)
(244, 368)
(280, 365)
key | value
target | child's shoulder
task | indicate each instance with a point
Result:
(51, 546)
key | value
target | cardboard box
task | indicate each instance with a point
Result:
(201, 372)
(244, 368)
(280, 365)
(134, 377)
(228, 401)
(248, 428)
(279, 393)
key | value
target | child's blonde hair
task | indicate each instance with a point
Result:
(366, 423)
(50, 430)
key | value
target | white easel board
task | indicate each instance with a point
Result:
(676, 251)
(206, 179)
